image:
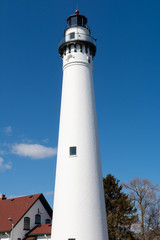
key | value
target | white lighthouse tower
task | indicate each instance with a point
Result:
(79, 208)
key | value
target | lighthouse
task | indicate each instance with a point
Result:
(79, 207)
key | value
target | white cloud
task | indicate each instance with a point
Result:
(34, 151)
(3, 166)
(8, 130)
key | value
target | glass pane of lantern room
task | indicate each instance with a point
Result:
(74, 21)
(79, 21)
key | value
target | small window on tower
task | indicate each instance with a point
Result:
(73, 151)
(72, 35)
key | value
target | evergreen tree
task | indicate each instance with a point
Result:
(121, 213)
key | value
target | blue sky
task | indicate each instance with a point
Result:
(126, 80)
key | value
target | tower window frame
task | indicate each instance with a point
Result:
(72, 35)
(73, 151)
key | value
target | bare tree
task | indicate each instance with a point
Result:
(152, 220)
(144, 193)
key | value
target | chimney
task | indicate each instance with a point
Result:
(3, 197)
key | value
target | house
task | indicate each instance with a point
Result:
(27, 217)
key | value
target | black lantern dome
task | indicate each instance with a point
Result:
(77, 20)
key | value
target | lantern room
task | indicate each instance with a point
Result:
(77, 20)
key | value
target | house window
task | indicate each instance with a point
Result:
(73, 151)
(72, 35)
(26, 223)
(37, 219)
(48, 221)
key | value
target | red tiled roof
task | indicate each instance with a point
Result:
(41, 229)
(15, 208)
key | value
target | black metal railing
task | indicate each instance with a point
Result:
(77, 37)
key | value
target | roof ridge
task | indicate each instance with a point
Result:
(23, 196)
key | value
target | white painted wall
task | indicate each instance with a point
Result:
(81, 33)
(79, 208)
